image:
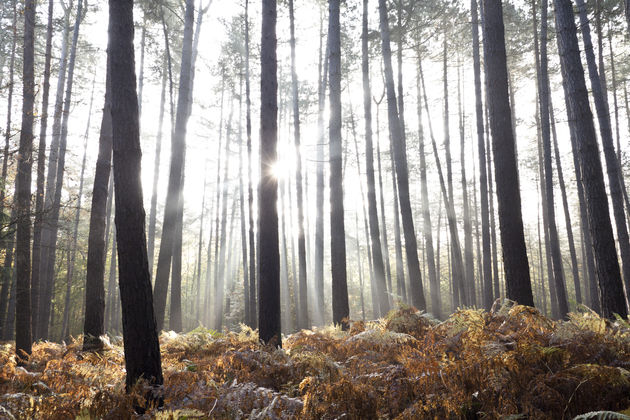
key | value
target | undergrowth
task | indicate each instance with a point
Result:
(512, 362)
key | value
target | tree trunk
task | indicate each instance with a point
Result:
(375, 235)
(341, 310)
(400, 157)
(469, 263)
(303, 309)
(241, 201)
(269, 253)
(51, 223)
(385, 244)
(579, 112)
(565, 207)
(142, 349)
(176, 172)
(75, 232)
(250, 190)
(94, 325)
(613, 167)
(23, 338)
(426, 213)
(378, 294)
(156, 171)
(483, 176)
(455, 246)
(554, 242)
(220, 267)
(41, 173)
(518, 285)
(319, 194)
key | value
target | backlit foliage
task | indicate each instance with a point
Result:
(509, 362)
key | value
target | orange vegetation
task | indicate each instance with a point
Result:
(476, 364)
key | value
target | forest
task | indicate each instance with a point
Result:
(314, 209)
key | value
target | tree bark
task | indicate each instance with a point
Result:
(483, 176)
(385, 245)
(554, 242)
(51, 224)
(518, 285)
(220, 266)
(400, 156)
(303, 321)
(340, 305)
(77, 216)
(176, 171)
(41, 173)
(579, 112)
(565, 207)
(319, 193)
(457, 265)
(142, 349)
(469, 263)
(269, 253)
(613, 167)
(23, 337)
(375, 235)
(250, 189)
(94, 324)
(156, 170)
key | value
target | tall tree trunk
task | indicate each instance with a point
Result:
(426, 213)
(156, 170)
(320, 171)
(94, 324)
(175, 180)
(23, 338)
(41, 173)
(565, 207)
(378, 294)
(250, 189)
(579, 112)
(385, 244)
(303, 309)
(340, 306)
(553, 298)
(112, 291)
(219, 187)
(358, 246)
(375, 235)
(518, 285)
(469, 263)
(400, 157)
(554, 242)
(241, 201)
(77, 217)
(455, 245)
(220, 267)
(8, 242)
(175, 313)
(142, 349)
(51, 225)
(269, 255)
(197, 287)
(400, 268)
(615, 175)
(493, 230)
(483, 176)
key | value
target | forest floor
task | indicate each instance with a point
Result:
(508, 362)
